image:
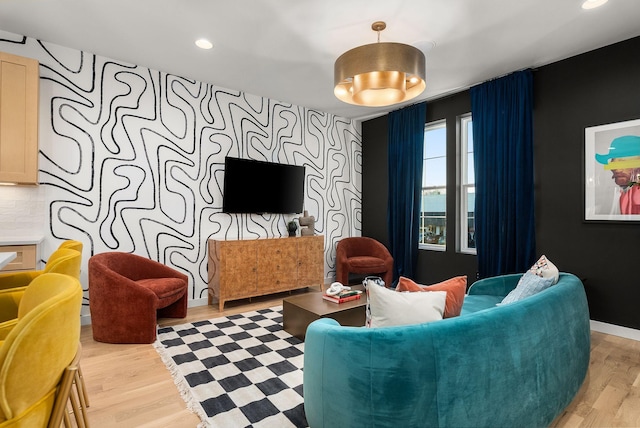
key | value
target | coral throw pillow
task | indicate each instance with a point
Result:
(455, 288)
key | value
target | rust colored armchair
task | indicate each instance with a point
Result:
(128, 292)
(365, 256)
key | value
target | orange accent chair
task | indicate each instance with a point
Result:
(365, 256)
(127, 293)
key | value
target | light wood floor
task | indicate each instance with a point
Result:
(129, 386)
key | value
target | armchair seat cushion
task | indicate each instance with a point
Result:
(168, 290)
(366, 263)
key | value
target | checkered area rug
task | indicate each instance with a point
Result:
(238, 371)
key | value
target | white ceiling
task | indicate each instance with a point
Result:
(285, 49)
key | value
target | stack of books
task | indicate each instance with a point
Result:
(343, 296)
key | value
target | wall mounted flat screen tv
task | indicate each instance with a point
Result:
(252, 186)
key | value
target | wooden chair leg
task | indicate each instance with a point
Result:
(66, 420)
(71, 391)
(80, 385)
(83, 399)
(76, 407)
(62, 396)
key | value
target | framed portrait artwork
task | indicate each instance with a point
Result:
(612, 172)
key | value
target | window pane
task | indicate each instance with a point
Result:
(433, 222)
(471, 172)
(471, 218)
(466, 242)
(435, 142)
(435, 173)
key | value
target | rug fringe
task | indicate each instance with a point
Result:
(183, 387)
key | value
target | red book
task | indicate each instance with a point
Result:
(341, 299)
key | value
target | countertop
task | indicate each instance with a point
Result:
(5, 258)
(20, 240)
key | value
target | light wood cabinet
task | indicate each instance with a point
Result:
(250, 268)
(19, 83)
(26, 257)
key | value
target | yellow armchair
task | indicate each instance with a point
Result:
(72, 245)
(61, 260)
(36, 352)
(12, 284)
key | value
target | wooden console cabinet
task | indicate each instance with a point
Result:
(250, 268)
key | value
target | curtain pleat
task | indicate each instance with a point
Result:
(502, 111)
(405, 152)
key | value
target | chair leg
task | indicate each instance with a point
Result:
(75, 407)
(71, 391)
(80, 395)
(80, 385)
(66, 420)
(59, 410)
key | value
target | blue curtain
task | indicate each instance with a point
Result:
(502, 111)
(406, 147)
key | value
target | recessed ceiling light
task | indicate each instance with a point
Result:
(204, 44)
(592, 4)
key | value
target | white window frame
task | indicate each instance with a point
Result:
(434, 247)
(463, 185)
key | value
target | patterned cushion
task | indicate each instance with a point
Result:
(543, 274)
(544, 268)
(528, 285)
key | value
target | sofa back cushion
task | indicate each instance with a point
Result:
(389, 308)
(455, 288)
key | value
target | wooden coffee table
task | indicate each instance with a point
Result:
(300, 311)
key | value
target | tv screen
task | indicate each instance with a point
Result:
(252, 186)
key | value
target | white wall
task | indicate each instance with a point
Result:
(132, 159)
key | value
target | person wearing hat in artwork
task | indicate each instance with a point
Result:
(623, 160)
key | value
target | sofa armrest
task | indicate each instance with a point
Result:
(495, 286)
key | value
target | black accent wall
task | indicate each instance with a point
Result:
(595, 88)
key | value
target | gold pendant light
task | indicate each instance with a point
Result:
(379, 74)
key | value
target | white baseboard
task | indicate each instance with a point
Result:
(85, 319)
(616, 330)
(197, 302)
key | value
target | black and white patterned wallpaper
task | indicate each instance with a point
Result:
(132, 159)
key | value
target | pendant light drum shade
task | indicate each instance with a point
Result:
(379, 74)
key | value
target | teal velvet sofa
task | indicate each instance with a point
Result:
(512, 365)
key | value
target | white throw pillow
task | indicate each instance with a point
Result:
(390, 308)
